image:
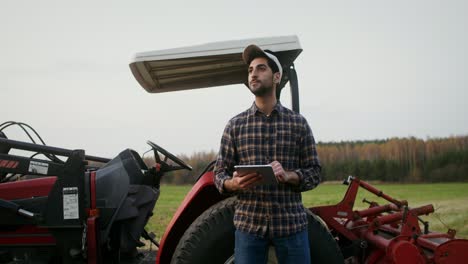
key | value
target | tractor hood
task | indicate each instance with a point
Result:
(207, 65)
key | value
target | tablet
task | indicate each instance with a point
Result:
(266, 171)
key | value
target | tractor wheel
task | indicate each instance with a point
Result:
(210, 239)
(323, 247)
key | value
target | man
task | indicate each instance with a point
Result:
(268, 133)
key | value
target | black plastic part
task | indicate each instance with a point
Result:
(152, 178)
(4, 149)
(134, 165)
(425, 224)
(12, 219)
(294, 86)
(166, 167)
(8, 143)
(150, 237)
(354, 248)
(348, 180)
(72, 176)
(16, 208)
(9, 205)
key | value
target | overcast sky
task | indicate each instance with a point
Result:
(369, 69)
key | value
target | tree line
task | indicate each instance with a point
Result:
(397, 159)
(390, 160)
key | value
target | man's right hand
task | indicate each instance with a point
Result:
(241, 182)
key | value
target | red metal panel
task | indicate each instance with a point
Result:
(92, 224)
(401, 251)
(27, 188)
(453, 251)
(343, 210)
(27, 235)
(92, 189)
(92, 242)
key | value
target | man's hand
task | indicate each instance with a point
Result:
(241, 182)
(283, 176)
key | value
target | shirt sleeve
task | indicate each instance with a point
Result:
(310, 168)
(224, 166)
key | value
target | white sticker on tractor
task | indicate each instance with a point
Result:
(37, 167)
(70, 203)
(341, 213)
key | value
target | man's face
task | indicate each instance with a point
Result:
(261, 77)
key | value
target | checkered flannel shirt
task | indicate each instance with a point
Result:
(252, 138)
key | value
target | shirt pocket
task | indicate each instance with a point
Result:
(287, 147)
(247, 154)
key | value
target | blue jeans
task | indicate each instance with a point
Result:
(251, 249)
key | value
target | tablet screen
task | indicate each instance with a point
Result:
(265, 170)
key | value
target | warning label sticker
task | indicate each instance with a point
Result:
(70, 203)
(37, 167)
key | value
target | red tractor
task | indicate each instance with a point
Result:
(69, 207)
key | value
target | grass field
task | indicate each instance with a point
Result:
(450, 201)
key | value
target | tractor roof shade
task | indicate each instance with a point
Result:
(207, 65)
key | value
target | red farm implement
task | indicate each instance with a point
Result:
(388, 233)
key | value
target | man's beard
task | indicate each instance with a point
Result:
(261, 90)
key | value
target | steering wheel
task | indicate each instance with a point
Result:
(168, 155)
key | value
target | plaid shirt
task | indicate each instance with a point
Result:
(252, 138)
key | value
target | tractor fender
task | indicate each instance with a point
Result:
(201, 197)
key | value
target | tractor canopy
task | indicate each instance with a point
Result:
(207, 65)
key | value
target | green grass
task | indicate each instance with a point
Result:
(450, 201)
(169, 200)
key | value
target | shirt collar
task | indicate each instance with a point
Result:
(277, 109)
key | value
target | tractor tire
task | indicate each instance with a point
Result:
(210, 239)
(323, 246)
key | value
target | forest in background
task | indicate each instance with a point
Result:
(390, 160)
